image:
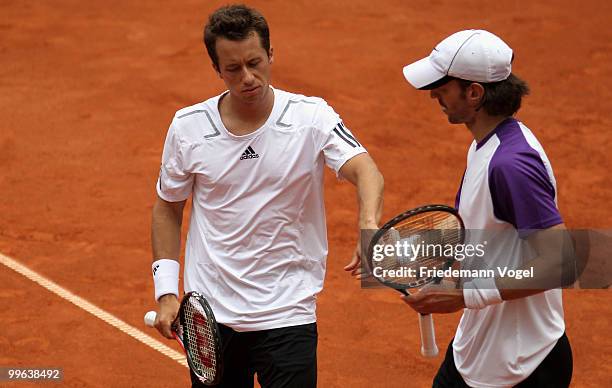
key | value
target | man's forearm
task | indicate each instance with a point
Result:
(547, 274)
(166, 230)
(362, 172)
(554, 267)
(370, 185)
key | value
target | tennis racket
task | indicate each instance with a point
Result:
(196, 330)
(438, 229)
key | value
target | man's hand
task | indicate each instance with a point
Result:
(354, 266)
(168, 307)
(441, 298)
(357, 270)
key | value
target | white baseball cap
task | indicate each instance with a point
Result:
(472, 55)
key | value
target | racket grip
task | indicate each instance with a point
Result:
(149, 318)
(428, 336)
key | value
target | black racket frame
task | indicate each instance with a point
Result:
(396, 220)
(209, 315)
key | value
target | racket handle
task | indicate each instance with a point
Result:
(428, 336)
(149, 318)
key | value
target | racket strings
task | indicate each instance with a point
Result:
(427, 238)
(429, 221)
(201, 341)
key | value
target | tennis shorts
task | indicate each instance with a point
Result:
(555, 371)
(285, 357)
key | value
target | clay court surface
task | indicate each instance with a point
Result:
(87, 93)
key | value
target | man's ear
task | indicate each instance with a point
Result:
(271, 55)
(475, 93)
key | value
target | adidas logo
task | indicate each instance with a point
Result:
(249, 154)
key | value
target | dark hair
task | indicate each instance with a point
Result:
(501, 98)
(234, 22)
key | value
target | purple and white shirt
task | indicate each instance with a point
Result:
(507, 191)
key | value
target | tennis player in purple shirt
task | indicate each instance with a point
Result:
(512, 332)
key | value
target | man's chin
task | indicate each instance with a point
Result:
(251, 99)
(455, 120)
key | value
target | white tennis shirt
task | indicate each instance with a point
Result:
(257, 241)
(507, 191)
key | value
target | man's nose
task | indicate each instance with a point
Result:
(247, 76)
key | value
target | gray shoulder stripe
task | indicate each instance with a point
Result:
(280, 119)
(210, 120)
(191, 113)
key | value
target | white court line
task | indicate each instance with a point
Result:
(94, 310)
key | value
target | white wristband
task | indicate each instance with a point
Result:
(165, 277)
(480, 293)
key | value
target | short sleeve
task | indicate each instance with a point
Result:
(174, 183)
(523, 193)
(338, 143)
